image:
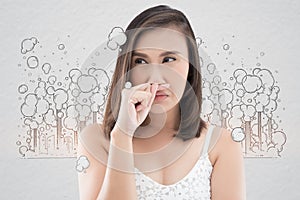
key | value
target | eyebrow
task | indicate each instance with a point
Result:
(135, 53)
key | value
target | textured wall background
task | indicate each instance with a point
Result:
(271, 27)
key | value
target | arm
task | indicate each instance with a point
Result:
(228, 178)
(116, 180)
(101, 181)
(90, 182)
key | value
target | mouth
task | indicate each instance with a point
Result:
(160, 97)
(160, 94)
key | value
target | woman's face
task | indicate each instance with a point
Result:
(160, 56)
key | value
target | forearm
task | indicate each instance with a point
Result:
(119, 180)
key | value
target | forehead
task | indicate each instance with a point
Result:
(163, 39)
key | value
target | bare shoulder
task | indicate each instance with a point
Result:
(93, 129)
(225, 141)
(93, 141)
(228, 177)
(92, 147)
(223, 145)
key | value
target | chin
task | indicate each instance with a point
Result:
(163, 107)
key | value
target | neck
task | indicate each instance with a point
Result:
(162, 123)
(171, 119)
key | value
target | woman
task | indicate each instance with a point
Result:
(152, 143)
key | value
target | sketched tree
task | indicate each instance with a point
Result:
(28, 110)
(70, 122)
(89, 92)
(98, 98)
(33, 109)
(60, 98)
(216, 99)
(255, 93)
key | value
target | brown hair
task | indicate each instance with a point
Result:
(190, 104)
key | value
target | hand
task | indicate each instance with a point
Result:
(135, 105)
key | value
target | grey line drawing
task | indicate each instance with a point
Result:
(246, 105)
(82, 164)
(55, 109)
(28, 44)
(116, 38)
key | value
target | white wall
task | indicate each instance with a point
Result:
(269, 26)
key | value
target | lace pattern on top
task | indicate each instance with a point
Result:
(195, 185)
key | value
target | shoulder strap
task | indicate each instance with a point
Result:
(207, 139)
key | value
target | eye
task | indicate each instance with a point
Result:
(169, 59)
(139, 61)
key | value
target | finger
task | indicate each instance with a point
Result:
(133, 100)
(142, 97)
(154, 88)
(148, 89)
(145, 102)
(139, 107)
(140, 86)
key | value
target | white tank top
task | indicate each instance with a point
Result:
(195, 185)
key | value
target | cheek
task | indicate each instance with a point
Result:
(178, 79)
(138, 75)
(183, 70)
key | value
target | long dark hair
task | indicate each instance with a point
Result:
(190, 104)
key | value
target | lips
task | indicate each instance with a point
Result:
(159, 93)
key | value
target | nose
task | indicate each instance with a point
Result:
(156, 75)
